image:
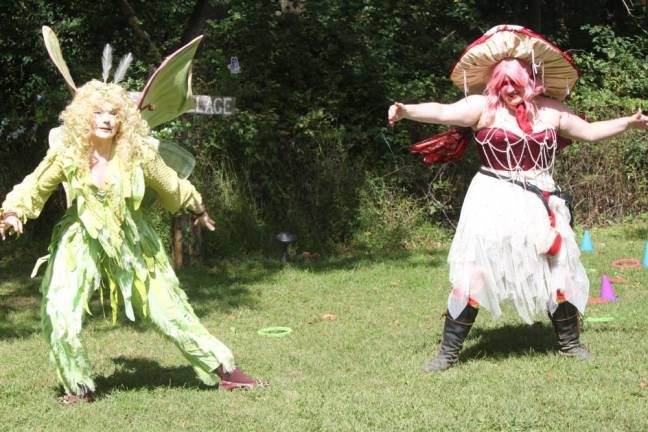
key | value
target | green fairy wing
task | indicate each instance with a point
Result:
(54, 51)
(167, 94)
(177, 158)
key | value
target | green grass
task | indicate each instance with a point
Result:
(360, 372)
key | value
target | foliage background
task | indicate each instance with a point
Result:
(308, 149)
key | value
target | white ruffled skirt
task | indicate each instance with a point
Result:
(498, 251)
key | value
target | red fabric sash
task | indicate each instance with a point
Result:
(523, 119)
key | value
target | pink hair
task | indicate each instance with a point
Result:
(516, 71)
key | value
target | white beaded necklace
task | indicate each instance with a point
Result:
(544, 161)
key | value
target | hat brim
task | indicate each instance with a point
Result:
(555, 68)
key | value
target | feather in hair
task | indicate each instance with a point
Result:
(106, 62)
(120, 72)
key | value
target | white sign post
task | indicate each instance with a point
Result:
(214, 105)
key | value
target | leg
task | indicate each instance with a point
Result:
(170, 311)
(454, 333)
(71, 276)
(565, 322)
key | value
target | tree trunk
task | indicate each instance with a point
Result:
(178, 223)
(202, 9)
(129, 12)
(187, 238)
(535, 14)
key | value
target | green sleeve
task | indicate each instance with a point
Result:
(28, 198)
(174, 193)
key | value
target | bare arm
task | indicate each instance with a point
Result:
(574, 127)
(465, 112)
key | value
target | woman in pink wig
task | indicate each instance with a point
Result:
(514, 240)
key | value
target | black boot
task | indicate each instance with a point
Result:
(454, 333)
(565, 322)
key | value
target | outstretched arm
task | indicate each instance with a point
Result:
(8, 222)
(27, 199)
(175, 193)
(465, 112)
(574, 127)
(205, 221)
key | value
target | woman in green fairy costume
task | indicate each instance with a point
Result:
(105, 158)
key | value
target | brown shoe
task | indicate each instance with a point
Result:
(85, 395)
(236, 379)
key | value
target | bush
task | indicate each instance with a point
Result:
(608, 179)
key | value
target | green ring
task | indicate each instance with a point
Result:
(275, 331)
(599, 319)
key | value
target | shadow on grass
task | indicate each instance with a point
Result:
(219, 287)
(511, 341)
(22, 323)
(352, 259)
(225, 285)
(142, 373)
(209, 290)
(19, 295)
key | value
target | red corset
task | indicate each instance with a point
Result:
(504, 150)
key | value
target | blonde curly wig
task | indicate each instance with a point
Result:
(77, 124)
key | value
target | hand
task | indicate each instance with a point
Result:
(8, 222)
(395, 113)
(638, 120)
(205, 221)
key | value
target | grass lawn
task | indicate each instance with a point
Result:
(358, 372)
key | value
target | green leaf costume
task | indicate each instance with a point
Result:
(104, 242)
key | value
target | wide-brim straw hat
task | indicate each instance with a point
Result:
(550, 66)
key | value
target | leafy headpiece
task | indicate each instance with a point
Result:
(167, 93)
